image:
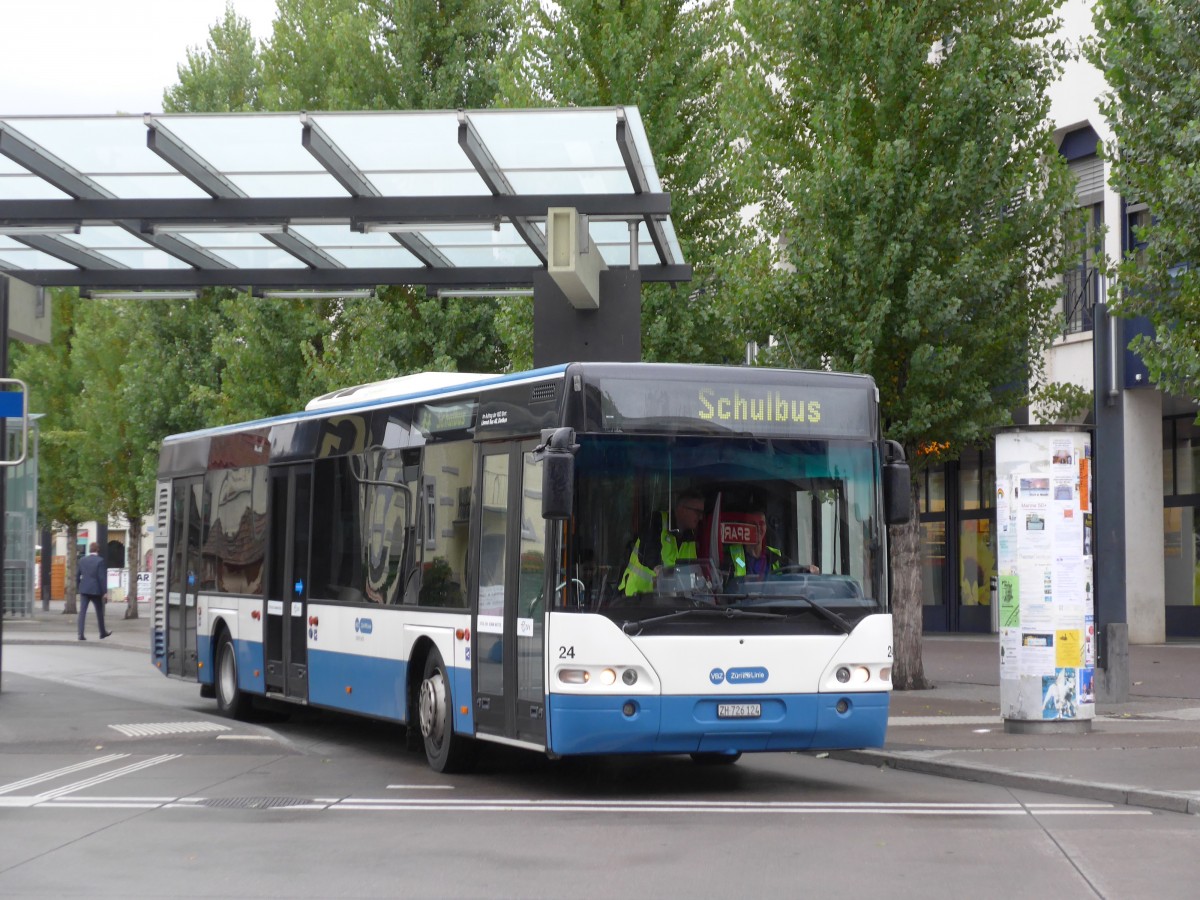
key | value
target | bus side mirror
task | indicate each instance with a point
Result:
(557, 456)
(897, 485)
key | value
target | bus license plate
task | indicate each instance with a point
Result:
(739, 710)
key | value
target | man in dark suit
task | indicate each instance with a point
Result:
(93, 585)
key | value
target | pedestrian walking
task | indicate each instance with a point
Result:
(93, 585)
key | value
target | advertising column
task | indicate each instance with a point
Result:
(1044, 565)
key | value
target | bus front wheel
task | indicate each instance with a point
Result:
(445, 750)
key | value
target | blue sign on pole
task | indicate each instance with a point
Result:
(12, 404)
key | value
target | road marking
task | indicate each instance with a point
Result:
(244, 737)
(151, 729)
(384, 805)
(106, 776)
(420, 787)
(58, 773)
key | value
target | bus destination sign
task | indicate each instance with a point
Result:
(804, 409)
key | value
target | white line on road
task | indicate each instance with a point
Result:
(152, 729)
(244, 737)
(58, 773)
(107, 776)
(379, 805)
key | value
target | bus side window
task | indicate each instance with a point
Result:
(446, 469)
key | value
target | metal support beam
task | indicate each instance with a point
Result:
(481, 158)
(26, 153)
(497, 276)
(637, 177)
(196, 169)
(69, 252)
(187, 161)
(335, 162)
(45, 165)
(445, 209)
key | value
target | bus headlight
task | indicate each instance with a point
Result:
(629, 676)
(607, 677)
(574, 676)
(842, 674)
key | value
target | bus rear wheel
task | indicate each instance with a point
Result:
(445, 750)
(231, 702)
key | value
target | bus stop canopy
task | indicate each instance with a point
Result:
(324, 201)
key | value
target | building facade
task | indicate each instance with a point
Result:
(1147, 443)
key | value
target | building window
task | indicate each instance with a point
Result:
(1081, 283)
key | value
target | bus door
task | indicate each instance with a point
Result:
(183, 576)
(285, 638)
(509, 641)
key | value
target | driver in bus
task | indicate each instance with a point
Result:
(758, 560)
(660, 545)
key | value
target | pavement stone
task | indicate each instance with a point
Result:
(1144, 752)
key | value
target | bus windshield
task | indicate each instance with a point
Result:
(673, 532)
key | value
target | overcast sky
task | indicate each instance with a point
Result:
(60, 57)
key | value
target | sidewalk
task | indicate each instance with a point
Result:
(53, 627)
(1145, 752)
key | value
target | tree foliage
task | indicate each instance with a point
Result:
(349, 54)
(55, 380)
(665, 57)
(225, 74)
(907, 172)
(1150, 57)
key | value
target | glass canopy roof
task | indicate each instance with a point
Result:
(325, 200)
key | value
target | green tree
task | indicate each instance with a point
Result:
(146, 367)
(908, 173)
(666, 58)
(444, 54)
(55, 379)
(226, 74)
(1150, 57)
(352, 54)
(323, 54)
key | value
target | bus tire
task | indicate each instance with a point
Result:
(446, 751)
(231, 702)
(716, 759)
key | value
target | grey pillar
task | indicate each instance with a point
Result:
(1108, 562)
(612, 333)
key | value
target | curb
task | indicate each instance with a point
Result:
(1124, 795)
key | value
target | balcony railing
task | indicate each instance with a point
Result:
(1081, 290)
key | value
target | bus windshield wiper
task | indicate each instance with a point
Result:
(632, 627)
(820, 609)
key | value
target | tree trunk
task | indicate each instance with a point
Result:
(70, 587)
(135, 566)
(908, 670)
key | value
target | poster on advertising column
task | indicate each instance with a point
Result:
(1044, 573)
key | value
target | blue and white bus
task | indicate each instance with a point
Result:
(446, 550)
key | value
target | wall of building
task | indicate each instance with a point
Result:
(1145, 588)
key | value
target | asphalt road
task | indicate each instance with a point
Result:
(117, 782)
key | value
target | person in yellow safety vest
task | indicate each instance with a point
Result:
(758, 560)
(659, 545)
